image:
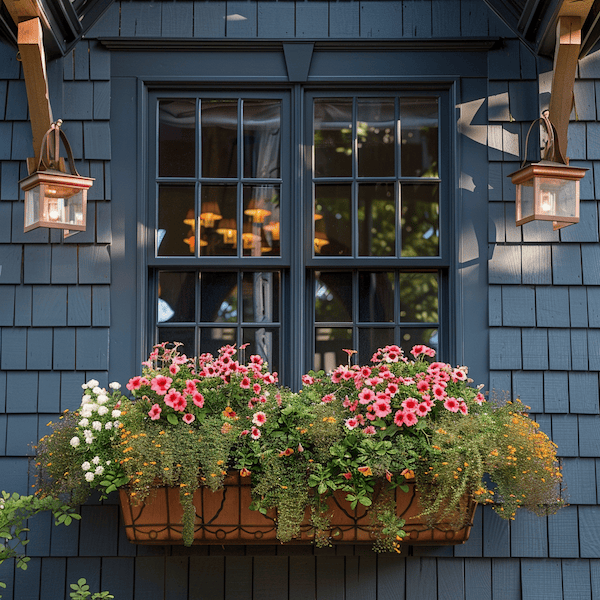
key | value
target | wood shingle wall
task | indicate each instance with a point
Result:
(544, 325)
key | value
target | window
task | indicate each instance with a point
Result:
(334, 236)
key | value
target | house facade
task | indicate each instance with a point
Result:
(303, 177)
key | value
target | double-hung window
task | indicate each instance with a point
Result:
(299, 243)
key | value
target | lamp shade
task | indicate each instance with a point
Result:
(547, 191)
(55, 199)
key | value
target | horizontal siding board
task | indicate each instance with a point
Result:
(10, 261)
(101, 100)
(501, 383)
(7, 305)
(49, 401)
(27, 583)
(39, 349)
(64, 349)
(100, 306)
(37, 264)
(505, 348)
(560, 342)
(518, 306)
(312, 19)
(99, 58)
(241, 28)
(580, 479)
(2, 393)
(91, 349)
(41, 235)
(177, 19)
(528, 386)
(207, 577)
(523, 99)
(96, 139)
(22, 141)
(78, 100)
(593, 336)
(474, 19)
(506, 579)
(103, 223)
(81, 61)
(475, 546)
(495, 180)
(21, 392)
(79, 306)
(142, 19)
(209, 18)
(535, 349)
(478, 579)
(565, 434)
(118, 574)
(302, 577)
(583, 393)
(13, 475)
(495, 305)
(496, 534)
(589, 531)
(270, 578)
(541, 579)
(416, 19)
(421, 578)
(239, 586)
(589, 435)
(496, 228)
(552, 306)
(98, 531)
(5, 222)
(556, 392)
(577, 141)
(14, 349)
(579, 350)
(576, 579)
(539, 232)
(593, 300)
(498, 102)
(9, 179)
(49, 307)
(451, 579)
(70, 390)
(371, 23)
(276, 19)
(21, 432)
(64, 264)
(587, 228)
(578, 306)
(94, 264)
(16, 101)
(505, 265)
(566, 265)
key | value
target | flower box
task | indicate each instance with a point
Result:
(223, 517)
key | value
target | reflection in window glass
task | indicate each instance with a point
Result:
(261, 220)
(420, 220)
(333, 137)
(333, 297)
(219, 120)
(264, 342)
(177, 138)
(218, 218)
(413, 336)
(330, 343)
(369, 340)
(375, 137)
(376, 297)
(260, 297)
(333, 220)
(419, 297)
(213, 338)
(376, 219)
(185, 335)
(176, 235)
(262, 138)
(419, 126)
(176, 297)
(218, 297)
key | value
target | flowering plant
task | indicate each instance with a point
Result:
(362, 430)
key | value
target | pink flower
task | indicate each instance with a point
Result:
(410, 404)
(423, 409)
(439, 392)
(451, 404)
(190, 386)
(365, 372)
(351, 423)
(328, 398)
(188, 418)
(480, 398)
(135, 383)
(269, 378)
(463, 408)
(369, 430)
(422, 386)
(307, 379)
(259, 418)
(198, 399)
(256, 388)
(255, 433)
(154, 412)
(410, 419)
(173, 369)
(382, 408)
(392, 388)
(245, 383)
(256, 360)
(161, 384)
(419, 349)
(347, 475)
(458, 375)
(399, 418)
(366, 396)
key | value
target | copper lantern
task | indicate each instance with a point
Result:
(54, 198)
(549, 189)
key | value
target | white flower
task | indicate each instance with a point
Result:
(92, 383)
(99, 470)
(116, 424)
(88, 433)
(102, 410)
(102, 399)
(96, 460)
(97, 425)
(108, 462)
(84, 386)
(86, 466)
(89, 476)
(116, 414)
(97, 390)
(75, 441)
(114, 385)
(89, 440)
(108, 425)
(83, 422)
(86, 413)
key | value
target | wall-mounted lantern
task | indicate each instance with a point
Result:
(549, 189)
(53, 197)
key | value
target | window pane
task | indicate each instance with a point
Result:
(262, 138)
(333, 297)
(185, 335)
(176, 297)
(419, 125)
(177, 138)
(420, 220)
(260, 297)
(369, 340)
(261, 220)
(219, 120)
(176, 235)
(376, 297)
(264, 342)
(333, 137)
(376, 219)
(330, 343)
(413, 336)
(218, 229)
(218, 297)
(213, 338)
(375, 133)
(419, 297)
(333, 224)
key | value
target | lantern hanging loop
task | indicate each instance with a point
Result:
(50, 157)
(551, 150)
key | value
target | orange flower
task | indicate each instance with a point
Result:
(244, 472)
(366, 471)
(408, 474)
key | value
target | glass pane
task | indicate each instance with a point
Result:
(262, 138)
(218, 220)
(177, 138)
(375, 133)
(419, 125)
(264, 342)
(376, 297)
(333, 224)
(218, 297)
(260, 293)
(370, 340)
(176, 235)
(261, 220)
(213, 338)
(219, 120)
(333, 137)
(420, 220)
(185, 335)
(333, 297)
(330, 343)
(376, 219)
(413, 336)
(419, 297)
(176, 297)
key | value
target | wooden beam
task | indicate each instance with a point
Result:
(33, 59)
(23, 10)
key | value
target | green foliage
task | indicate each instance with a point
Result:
(81, 591)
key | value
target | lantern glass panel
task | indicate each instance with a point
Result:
(557, 197)
(527, 195)
(32, 206)
(62, 205)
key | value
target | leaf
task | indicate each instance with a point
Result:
(172, 419)
(365, 501)
(322, 488)
(404, 488)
